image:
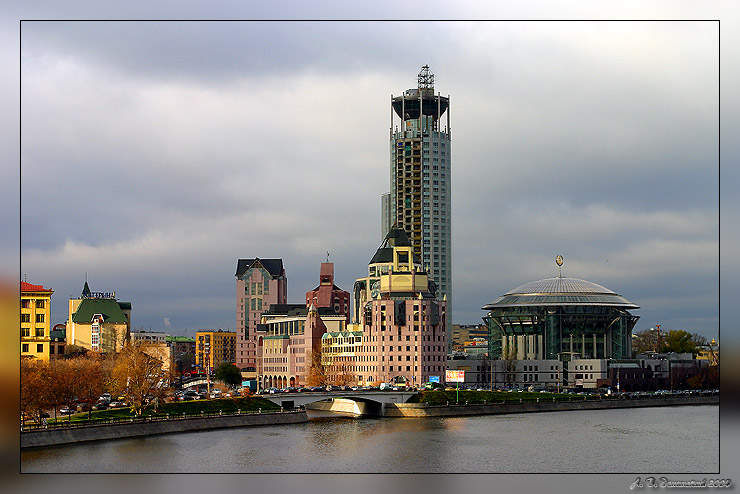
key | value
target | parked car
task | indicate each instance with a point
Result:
(116, 404)
(66, 410)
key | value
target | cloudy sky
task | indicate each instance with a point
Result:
(155, 154)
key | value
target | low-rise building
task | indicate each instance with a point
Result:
(212, 348)
(57, 341)
(35, 320)
(98, 322)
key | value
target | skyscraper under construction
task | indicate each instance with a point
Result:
(419, 197)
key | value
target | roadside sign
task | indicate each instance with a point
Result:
(455, 376)
(433, 379)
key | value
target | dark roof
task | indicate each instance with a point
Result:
(396, 237)
(273, 266)
(108, 307)
(287, 309)
(85, 291)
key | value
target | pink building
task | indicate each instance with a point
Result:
(402, 322)
(327, 294)
(286, 339)
(259, 284)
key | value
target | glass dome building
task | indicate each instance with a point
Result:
(560, 318)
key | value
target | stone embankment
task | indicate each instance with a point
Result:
(76, 434)
(452, 410)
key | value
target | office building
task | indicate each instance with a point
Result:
(419, 201)
(401, 319)
(259, 284)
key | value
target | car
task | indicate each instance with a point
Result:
(101, 405)
(116, 404)
(66, 410)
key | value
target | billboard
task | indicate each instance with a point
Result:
(433, 379)
(455, 376)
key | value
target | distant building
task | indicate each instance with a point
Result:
(98, 321)
(288, 338)
(212, 348)
(461, 333)
(327, 294)
(148, 337)
(57, 341)
(259, 284)
(35, 320)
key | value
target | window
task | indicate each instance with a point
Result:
(25, 317)
(25, 304)
(39, 318)
(40, 348)
(39, 304)
(24, 347)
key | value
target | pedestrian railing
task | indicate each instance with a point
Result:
(160, 417)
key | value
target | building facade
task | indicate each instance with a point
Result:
(98, 322)
(419, 200)
(35, 321)
(560, 318)
(57, 341)
(213, 348)
(327, 294)
(402, 321)
(289, 342)
(259, 284)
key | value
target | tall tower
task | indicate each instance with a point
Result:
(420, 159)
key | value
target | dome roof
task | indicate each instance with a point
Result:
(561, 291)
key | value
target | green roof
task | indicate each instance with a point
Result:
(108, 307)
(184, 339)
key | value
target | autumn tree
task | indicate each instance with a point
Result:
(138, 376)
(89, 378)
(316, 370)
(35, 380)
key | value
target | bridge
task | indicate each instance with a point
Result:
(364, 403)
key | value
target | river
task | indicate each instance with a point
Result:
(662, 439)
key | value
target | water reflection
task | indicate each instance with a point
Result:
(581, 441)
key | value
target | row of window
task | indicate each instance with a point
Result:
(39, 348)
(26, 303)
(27, 318)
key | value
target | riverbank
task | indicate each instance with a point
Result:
(401, 410)
(151, 426)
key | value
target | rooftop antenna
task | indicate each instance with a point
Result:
(25, 277)
(327, 256)
(559, 262)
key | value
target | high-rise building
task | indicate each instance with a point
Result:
(420, 164)
(259, 284)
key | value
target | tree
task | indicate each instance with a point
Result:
(35, 380)
(316, 370)
(680, 341)
(647, 340)
(229, 374)
(89, 378)
(138, 376)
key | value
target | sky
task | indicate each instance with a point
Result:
(154, 155)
